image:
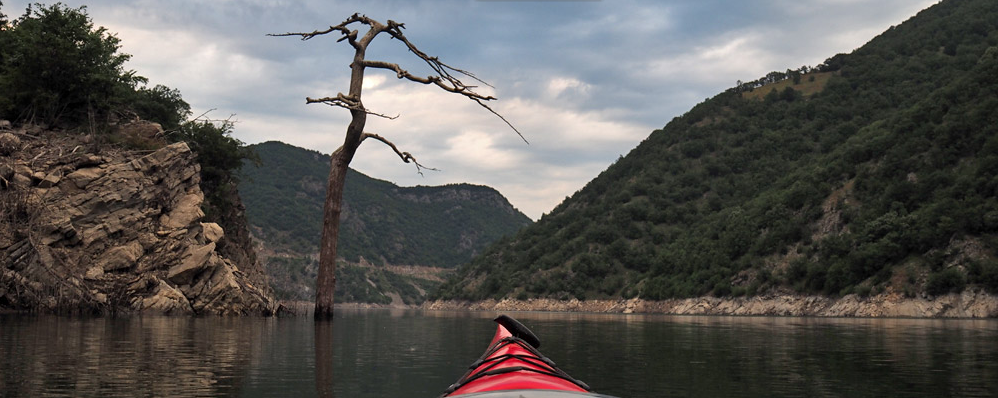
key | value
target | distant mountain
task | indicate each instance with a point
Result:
(384, 226)
(876, 172)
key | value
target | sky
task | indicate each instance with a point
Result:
(584, 81)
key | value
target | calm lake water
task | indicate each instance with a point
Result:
(407, 353)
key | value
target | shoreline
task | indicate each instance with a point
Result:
(971, 304)
(968, 305)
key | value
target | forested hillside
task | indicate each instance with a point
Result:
(874, 172)
(382, 225)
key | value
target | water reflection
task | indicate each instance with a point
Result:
(699, 356)
(372, 353)
(111, 356)
(324, 358)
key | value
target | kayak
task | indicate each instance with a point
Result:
(513, 368)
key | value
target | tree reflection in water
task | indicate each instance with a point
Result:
(324, 358)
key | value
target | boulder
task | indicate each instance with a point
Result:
(142, 133)
(9, 144)
(185, 211)
(121, 257)
(49, 180)
(7, 174)
(80, 178)
(157, 296)
(212, 232)
(193, 264)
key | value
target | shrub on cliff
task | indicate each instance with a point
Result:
(58, 67)
(220, 156)
(162, 105)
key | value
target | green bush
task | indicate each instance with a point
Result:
(161, 104)
(58, 68)
(985, 274)
(946, 281)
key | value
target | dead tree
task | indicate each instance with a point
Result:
(444, 77)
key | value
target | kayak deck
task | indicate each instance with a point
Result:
(512, 367)
(532, 394)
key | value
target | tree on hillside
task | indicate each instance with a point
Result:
(3, 18)
(443, 77)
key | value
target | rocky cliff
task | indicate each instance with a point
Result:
(92, 229)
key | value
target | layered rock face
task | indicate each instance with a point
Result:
(88, 232)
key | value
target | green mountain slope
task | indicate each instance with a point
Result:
(874, 172)
(382, 225)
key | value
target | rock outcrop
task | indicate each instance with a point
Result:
(105, 232)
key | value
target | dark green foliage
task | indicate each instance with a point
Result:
(946, 281)
(892, 161)
(57, 67)
(985, 274)
(161, 104)
(381, 223)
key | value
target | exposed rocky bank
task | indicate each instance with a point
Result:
(92, 229)
(969, 304)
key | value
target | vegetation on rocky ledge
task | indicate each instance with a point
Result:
(99, 209)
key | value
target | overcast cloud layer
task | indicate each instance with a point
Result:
(585, 81)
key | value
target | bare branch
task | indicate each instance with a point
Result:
(350, 36)
(395, 30)
(204, 114)
(24, 134)
(440, 82)
(503, 119)
(444, 79)
(406, 156)
(346, 102)
(204, 118)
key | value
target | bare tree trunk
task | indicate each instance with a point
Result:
(340, 161)
(325, 284)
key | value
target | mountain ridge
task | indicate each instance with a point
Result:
(382, 226)
(879, 181)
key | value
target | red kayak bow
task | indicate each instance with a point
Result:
(512, 367)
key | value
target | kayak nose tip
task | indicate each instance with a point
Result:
(518, 330)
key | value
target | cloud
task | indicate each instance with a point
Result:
(735, 53)
(469, 144)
